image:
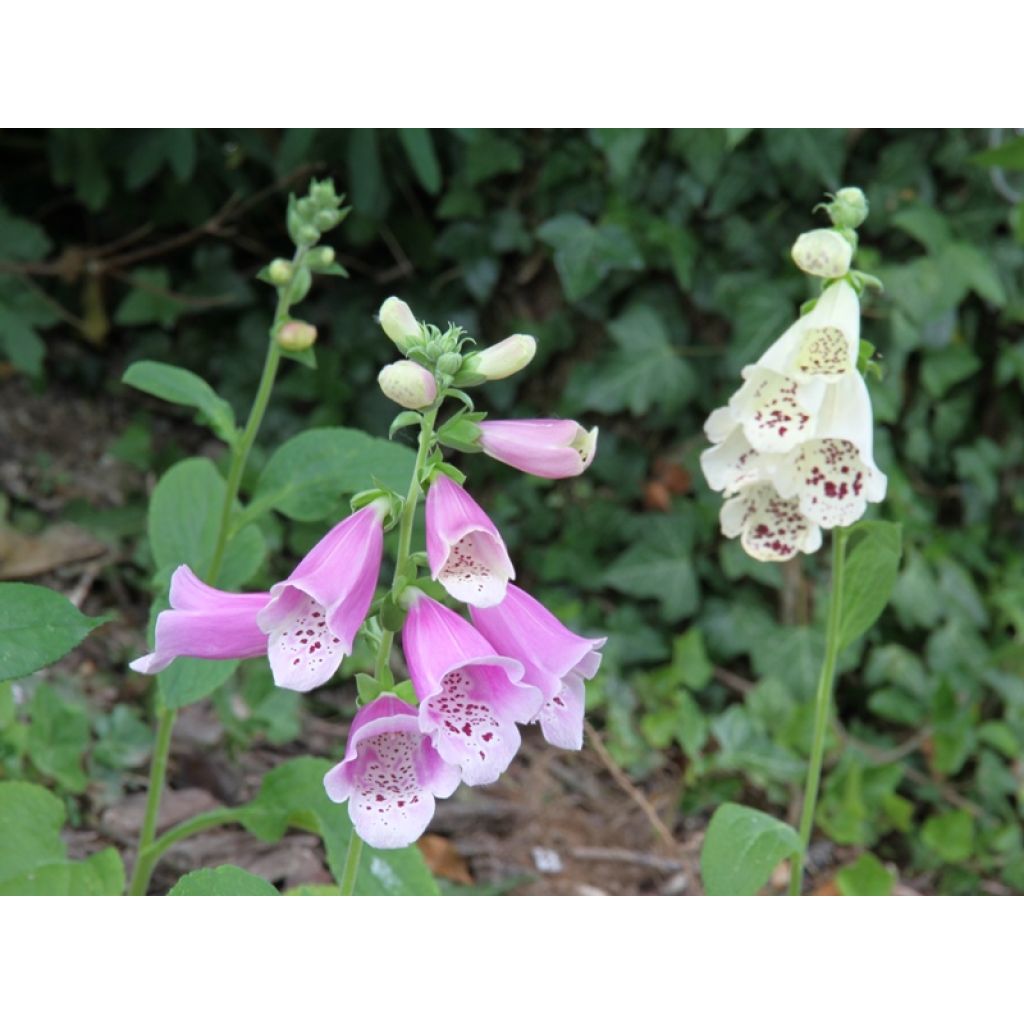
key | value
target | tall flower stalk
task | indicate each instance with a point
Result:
(308, 218)
(792, 451)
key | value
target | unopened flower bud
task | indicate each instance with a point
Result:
(296, 336)
(327, 219)
(307, 235)
(301, 285)
(281, 271)
(849, 208)
(822, 252)
(502, 360)
(449, 363)
(399, 324)
(408, 384)
(321, 256)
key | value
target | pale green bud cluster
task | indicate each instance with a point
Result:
(848, 209)
(438, 355)
(313, 215)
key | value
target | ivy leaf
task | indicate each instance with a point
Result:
(149, 301)
(658, 565)
(644, 373)
(419, 148)
(586, 254)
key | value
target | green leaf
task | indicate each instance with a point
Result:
(21, 240)
(174, 384)
(308, 474)
(150, 301)
(223, 881)
(586, 254)
(30, 822)
(102, 874)
(292, 795)
(33, 858)
(658, 565)
(1009, 156)
(872, 565)
(190, 679)
(644, 373)
(866, 876)
(58, 735)
(156, 147)
(621, 147)
(37, 627)
(741, 849)
(184, 517)
(949, 835)
(419, 148)
(22, 344)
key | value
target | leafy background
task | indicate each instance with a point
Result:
(651, 265)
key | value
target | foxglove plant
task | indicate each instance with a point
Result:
(792, 452)
(472, 687)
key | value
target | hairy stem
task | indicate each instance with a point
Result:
(355, 846)
(822, 710)
(150, 851)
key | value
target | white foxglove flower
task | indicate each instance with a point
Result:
(779, 402)
(733, 463)
(771, 528)
(833, 476)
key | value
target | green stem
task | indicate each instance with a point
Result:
(355, 846)
(150, 852)
(157, 773)
(200, 823)
(822, 710)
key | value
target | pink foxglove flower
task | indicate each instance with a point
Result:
(390, 775)
(466, 552)
(204, 622)
(770, 528)
(470, 696)
(547, 448)
(313, 616)
(556, 660)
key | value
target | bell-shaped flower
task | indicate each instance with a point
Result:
(391, 775)
(771, 528)
(313, 616)
(733, 463)
(470, 696)
(833, 476)
(556, 660)
(783, 392)
(547, 448)
(466, 553)
(204, 622)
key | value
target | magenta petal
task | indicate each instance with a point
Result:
(313, 616)
(548, 448)
(390, 776)
(204, 622)
(465, 549)
(470, 697)
(522, 628)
